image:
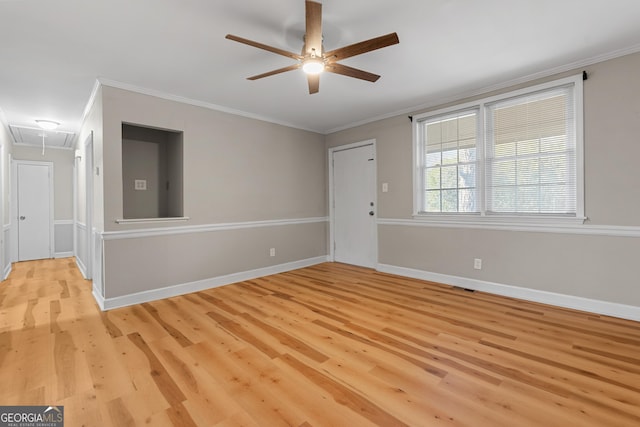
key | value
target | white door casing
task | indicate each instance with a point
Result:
(353, 204)
(34, 209)
(89, 205)
(4, 250)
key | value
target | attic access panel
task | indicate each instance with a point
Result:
(32, 136)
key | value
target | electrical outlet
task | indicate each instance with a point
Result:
(272, 252)
(477, 264)
(385, 187)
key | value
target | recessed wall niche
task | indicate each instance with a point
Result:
(152, 172)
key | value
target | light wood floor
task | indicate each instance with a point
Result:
(330, 345)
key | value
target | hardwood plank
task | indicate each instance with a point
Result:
(171, 330)
(343, 395)
(163, 380)
(120, 414)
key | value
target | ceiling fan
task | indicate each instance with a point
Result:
(313, 59)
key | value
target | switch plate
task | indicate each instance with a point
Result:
(385, 187)
(140, 184)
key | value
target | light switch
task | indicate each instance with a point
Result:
(385, 187)
(140, 184)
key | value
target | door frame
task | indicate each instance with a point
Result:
(332, 241)
(14, 206)
(3, 239)
(88, 203)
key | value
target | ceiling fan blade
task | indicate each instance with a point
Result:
(351, 72)
(263, 46)
(313, 31)
(278, 71)
(314, 83)
(362, 47)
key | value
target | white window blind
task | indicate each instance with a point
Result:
(530, 158)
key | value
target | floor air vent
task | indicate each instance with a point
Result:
(464, 289)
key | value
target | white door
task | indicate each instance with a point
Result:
(34, 211)
(354, 218)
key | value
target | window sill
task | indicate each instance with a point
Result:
(510, 223)
(506, 220)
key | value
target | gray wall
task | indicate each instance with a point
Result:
(141, 160)
(237, 170)
(584, 265)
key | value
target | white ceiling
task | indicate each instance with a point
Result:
(52, 52)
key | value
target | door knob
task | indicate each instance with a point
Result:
(22, 218)
(371, 213)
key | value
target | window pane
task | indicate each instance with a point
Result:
(432, 180)
(433, 133)
(527, 147)
(557, 198)
(432, 201)
(450, 157)
(528, 201)
(504, 173)
(467, 200)
(503, 199)
(504, 150)
(467, 154)
(467, 176)
(553, 144)
(553, 169)
(434, 159)
(450, 177)
(467, 127)
(450, 130)
(528, 171)
(449, 200)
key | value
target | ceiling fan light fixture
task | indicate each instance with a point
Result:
(47, 124)
(313, 66)
(313, 59)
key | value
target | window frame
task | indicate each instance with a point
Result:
(481, 105)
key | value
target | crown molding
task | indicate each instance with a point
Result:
(197, 103)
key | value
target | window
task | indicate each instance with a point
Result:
(516, 156)
(449, 144)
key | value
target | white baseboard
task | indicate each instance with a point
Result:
(7, 271)
(622, 311)
(214, 282)
(63, 254)
(81, 267)
(99, 298)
